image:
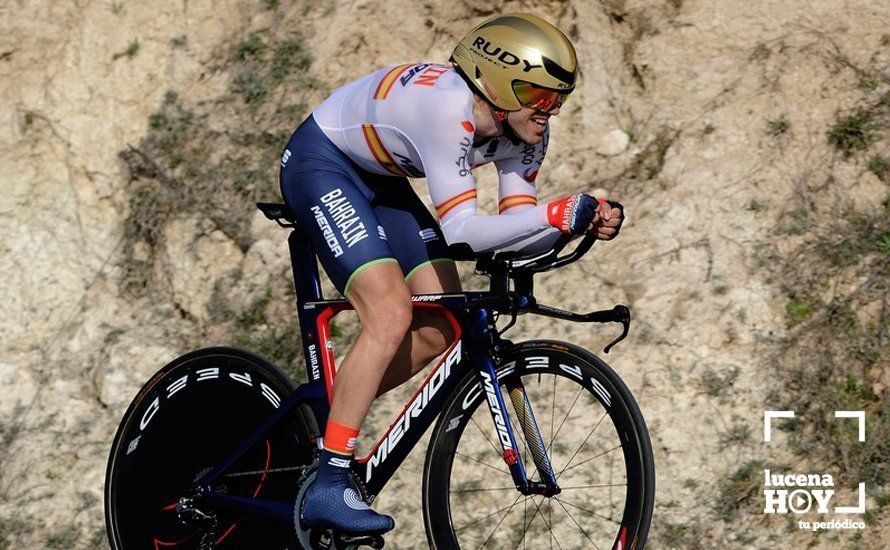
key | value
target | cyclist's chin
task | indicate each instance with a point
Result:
(529, 132)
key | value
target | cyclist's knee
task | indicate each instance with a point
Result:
(392, 317)
(383, 304)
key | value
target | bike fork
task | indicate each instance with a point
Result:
(533, 440)
(484, 328)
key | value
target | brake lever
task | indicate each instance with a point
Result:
(516, 303)
(618, 314)
(621, 315)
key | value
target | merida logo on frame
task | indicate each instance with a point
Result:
(417, 406)
(503, 435)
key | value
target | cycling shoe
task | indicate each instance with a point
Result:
(331, 502)
(342, 509)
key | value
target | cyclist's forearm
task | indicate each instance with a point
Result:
(539, 242)
(484, 233)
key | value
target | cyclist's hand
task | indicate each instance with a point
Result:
(610, 216)
(573, 214)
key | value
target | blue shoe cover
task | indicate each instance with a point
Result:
(331, 502)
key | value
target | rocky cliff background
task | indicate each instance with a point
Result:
(748, 140)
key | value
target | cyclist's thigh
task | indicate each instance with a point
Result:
(330, 205)
(415, 237)
(434, 278)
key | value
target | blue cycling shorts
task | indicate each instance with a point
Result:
(355, 218)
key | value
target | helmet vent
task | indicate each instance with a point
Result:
(556, 71)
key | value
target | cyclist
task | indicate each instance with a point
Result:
(344, 177)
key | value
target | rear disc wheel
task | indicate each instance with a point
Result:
(191, 415)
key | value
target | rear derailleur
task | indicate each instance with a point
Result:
(190, 514)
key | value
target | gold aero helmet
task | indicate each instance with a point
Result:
(518, 60)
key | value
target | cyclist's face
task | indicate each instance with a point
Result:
(530, 124)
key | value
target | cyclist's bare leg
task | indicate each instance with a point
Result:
(383, 304)
(430, 333)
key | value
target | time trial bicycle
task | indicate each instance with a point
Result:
(218, 447)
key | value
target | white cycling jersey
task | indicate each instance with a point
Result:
(417, 120)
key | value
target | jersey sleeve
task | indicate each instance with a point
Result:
(517, 191)
(538, 243)
(445, 150)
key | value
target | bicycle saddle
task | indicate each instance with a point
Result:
(278, 212)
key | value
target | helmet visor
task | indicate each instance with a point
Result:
(537, 97)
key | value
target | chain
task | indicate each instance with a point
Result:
(268, 471)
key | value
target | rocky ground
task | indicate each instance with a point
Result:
(748, 140)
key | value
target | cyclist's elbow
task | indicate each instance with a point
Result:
(456, 234)
(453, 235)
(462, 242)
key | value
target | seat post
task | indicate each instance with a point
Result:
(305, 268)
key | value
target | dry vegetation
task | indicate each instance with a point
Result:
(213, 159)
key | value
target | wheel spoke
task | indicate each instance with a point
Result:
(527, 525)
(468, 457)
(473, 420)
(484, 490)
(549, 444)
(550, 517)
(586, 460)
(548, 524)
(595, 426)
(594, 486)
(498, 511)
(591, 512)
(578, 525)
(563, 421)
(493, 531)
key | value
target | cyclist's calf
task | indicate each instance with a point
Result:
(430, 336)
(433, 333)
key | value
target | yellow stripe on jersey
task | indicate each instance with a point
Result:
(446, 206)
(375, 144)
(388, 80)
(516, 200)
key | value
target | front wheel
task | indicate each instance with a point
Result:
(597, 442)
(191, 415)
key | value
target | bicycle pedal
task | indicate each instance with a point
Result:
(344, 541)
(324, 539)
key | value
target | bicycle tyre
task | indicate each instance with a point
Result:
(571, 365)
(184, 420)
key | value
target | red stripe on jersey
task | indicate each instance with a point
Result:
(448, 205)
(381, 155)
(386, 83)
(515, 200)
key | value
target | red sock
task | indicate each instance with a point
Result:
(339, 439)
